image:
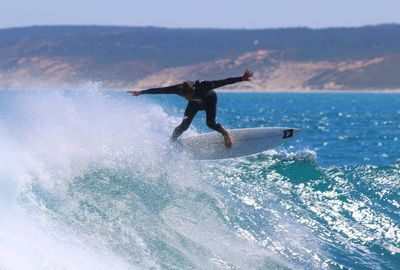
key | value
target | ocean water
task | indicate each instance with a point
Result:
(89, 181)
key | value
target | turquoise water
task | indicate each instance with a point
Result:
(88, 181)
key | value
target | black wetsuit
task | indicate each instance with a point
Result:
(204, 98)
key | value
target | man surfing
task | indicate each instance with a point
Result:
(201, 97)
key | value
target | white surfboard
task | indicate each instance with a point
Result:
(246, 141)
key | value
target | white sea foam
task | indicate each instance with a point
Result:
(49, 137)
(27, 243)
(53, 138)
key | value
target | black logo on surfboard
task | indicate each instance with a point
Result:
(287, 133)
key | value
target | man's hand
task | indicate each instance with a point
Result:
(134, 93)
(247, 75)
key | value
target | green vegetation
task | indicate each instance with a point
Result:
(150, 49)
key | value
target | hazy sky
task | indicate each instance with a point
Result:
(201, 13)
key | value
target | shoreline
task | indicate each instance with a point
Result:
(280, 91)
(391, 91)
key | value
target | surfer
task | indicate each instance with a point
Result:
(201, 97)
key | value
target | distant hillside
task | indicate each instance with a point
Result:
(140, 57)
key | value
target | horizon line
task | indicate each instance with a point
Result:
(198, 28)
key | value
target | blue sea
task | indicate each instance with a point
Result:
(88, 180)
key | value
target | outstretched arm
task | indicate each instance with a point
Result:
(174, 89)
(219, 83)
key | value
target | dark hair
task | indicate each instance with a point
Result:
(186, 87)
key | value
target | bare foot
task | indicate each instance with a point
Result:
(228, 140)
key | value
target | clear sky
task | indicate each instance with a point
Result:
(201, 13)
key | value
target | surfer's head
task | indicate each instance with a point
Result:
(187, 90)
